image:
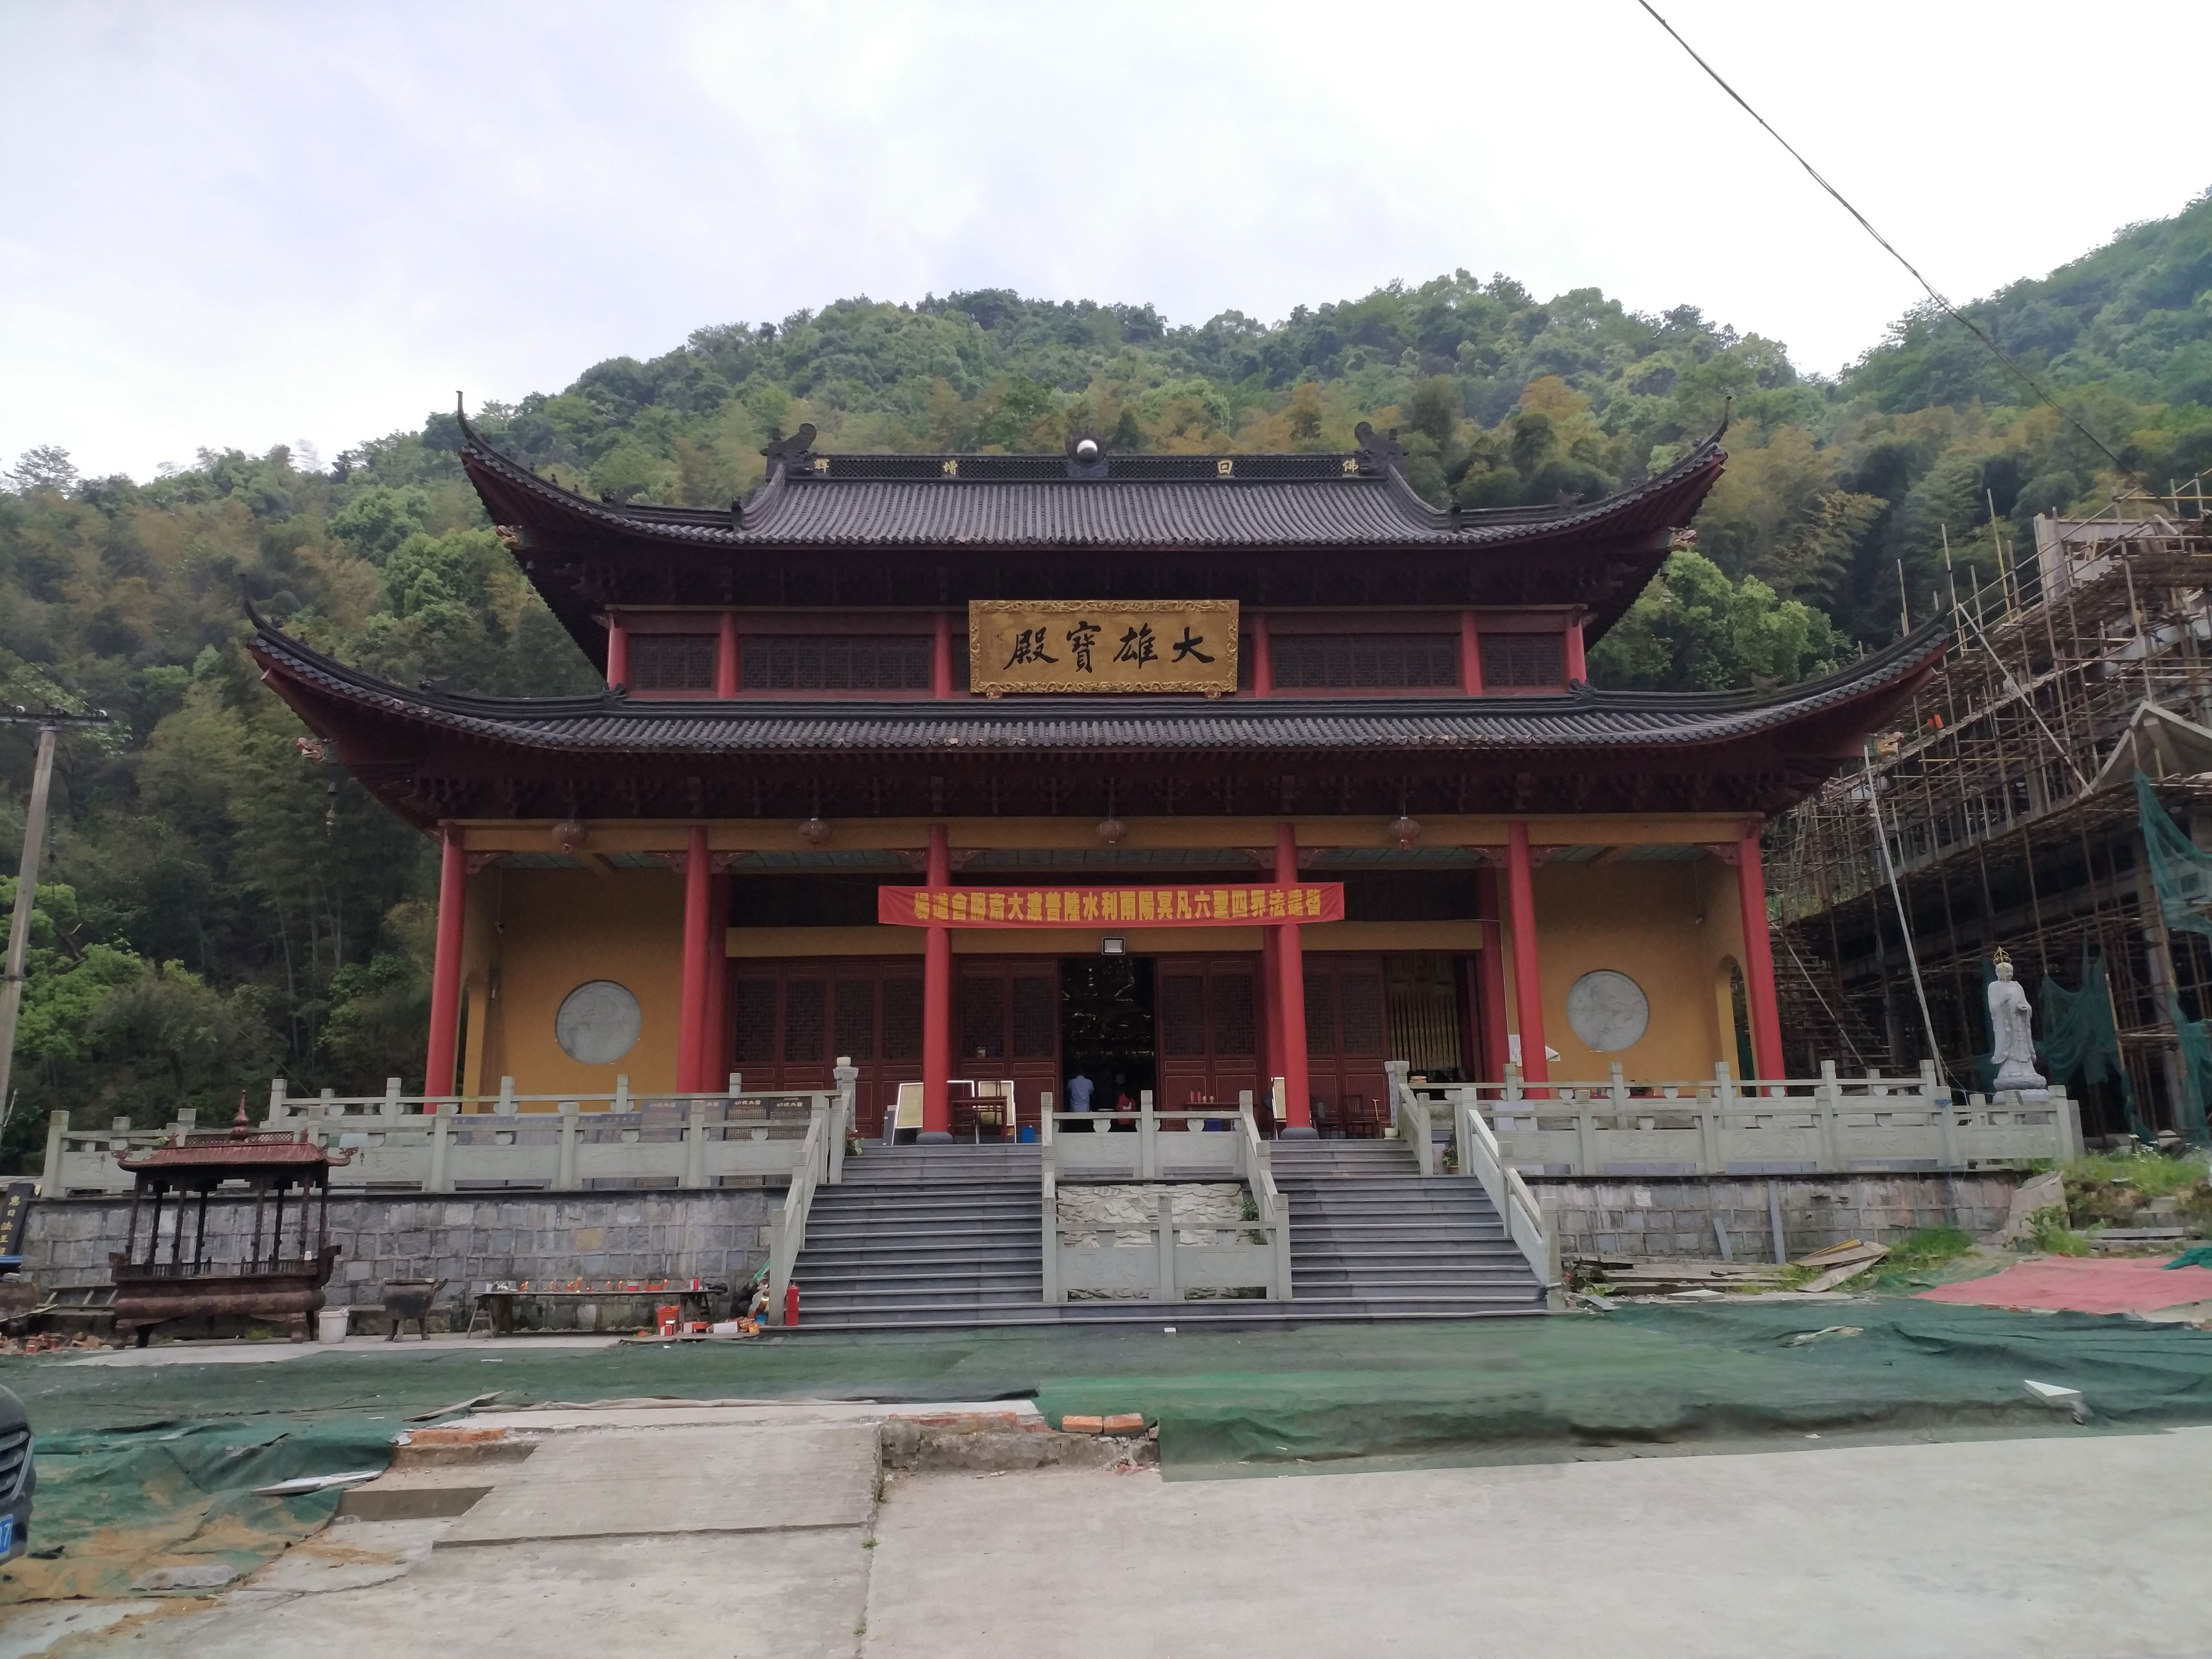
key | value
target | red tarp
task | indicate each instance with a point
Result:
(2082, 1284)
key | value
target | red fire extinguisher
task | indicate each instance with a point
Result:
(791, 1304)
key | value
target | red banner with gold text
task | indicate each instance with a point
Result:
(1108, 906)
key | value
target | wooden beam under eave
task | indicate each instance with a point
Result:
(1611, 855)
(1080, 831)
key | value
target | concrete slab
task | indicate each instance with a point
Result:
(763, 1479)
(624, 1414)
(765, 1595)
(269, 1353)
(1991, 1550)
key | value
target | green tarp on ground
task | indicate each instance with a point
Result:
(142, 1466)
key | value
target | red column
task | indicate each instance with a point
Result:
(1577, 665)
(691, 1026)
(1263, 657)
(1470, 655)
(1759, 958)
(1527, 983)
(715, 1044)
(1271, 1009)
(725, 657)
(936, 1003)
(1291, 967)
(445, 969)
(940, 657)
(1489, 989)
(617, 650)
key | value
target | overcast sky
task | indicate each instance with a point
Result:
(259, 223)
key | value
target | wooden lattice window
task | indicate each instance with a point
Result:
(1366, 662)
(1359, 998)
(831, 662)
(672, 662)
(902, 1019)
(1321, 1014)
(1182, 1003)
(753, 1014)
(982, 1019)
(856, 1018)
(1037, 1019)
(803, 1021)
(1233, 1030)
(1521, 661)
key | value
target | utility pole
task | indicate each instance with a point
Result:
(26, 885)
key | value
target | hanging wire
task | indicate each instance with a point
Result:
(1955, 314)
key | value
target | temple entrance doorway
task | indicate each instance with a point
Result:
(1106, 1026)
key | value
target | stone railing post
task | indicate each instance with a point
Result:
(1715, 1116)
(507, 1095)
(1148, 1143)
(1166, 1293)
(278, 1111)
(390, 1107)
(564, 1179)
(57, 1128)
(1827, 1108)
(1586, 1159)
(695, 1147)
(1945, 1112)
(441, 1136)
(622, 1092)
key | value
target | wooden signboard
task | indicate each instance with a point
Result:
(1056, 645)
(1110, 907)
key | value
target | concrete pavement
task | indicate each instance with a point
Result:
(756, 1530)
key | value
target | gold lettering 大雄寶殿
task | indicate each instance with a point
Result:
(1057, 645)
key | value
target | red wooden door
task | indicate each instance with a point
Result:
(1208, 1029)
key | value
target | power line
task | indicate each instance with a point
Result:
(1956, 315)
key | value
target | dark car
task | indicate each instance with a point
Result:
(17, 1477)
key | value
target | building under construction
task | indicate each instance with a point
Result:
(2001, 812)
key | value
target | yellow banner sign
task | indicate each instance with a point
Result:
(1077, 907)
(1054, 645)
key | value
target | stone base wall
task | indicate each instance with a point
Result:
(1660, 1216)
(470, 1238)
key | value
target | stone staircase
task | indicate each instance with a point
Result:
(950, 1238)
(1371, 1238)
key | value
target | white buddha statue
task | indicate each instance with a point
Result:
(2012, 1034)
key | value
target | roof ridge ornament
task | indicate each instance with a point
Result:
(794, 455)
(1379, 452)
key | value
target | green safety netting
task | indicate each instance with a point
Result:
(164, 1459)
(2182, 873)
(116, 1505)
(2080, 1041)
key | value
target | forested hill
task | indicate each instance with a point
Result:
(222, 909)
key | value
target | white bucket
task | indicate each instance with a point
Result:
(331, 1324)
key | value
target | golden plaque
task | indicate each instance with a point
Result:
(1055, 646)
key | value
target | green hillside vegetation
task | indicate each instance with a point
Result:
(223, 907)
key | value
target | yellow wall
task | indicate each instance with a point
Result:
(546, 932)
(1641, 919)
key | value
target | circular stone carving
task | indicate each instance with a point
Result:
(598, 1023)
(1608, 1010)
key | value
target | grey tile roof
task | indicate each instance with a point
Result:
(1137, 501)
(1583, 719)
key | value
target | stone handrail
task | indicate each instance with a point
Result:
(1480, 1156)
(1410, 1113)
(1275, 1213)
(1830, 1124)
(692, 1141)
(1162, 1267)
(787, 1227)
(1145, 1155)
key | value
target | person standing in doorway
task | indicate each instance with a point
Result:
(1078, 1093)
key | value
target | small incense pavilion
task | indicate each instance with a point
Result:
(1185, 772)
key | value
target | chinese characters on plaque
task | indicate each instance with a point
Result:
(1077, 907)
(1054, 645)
